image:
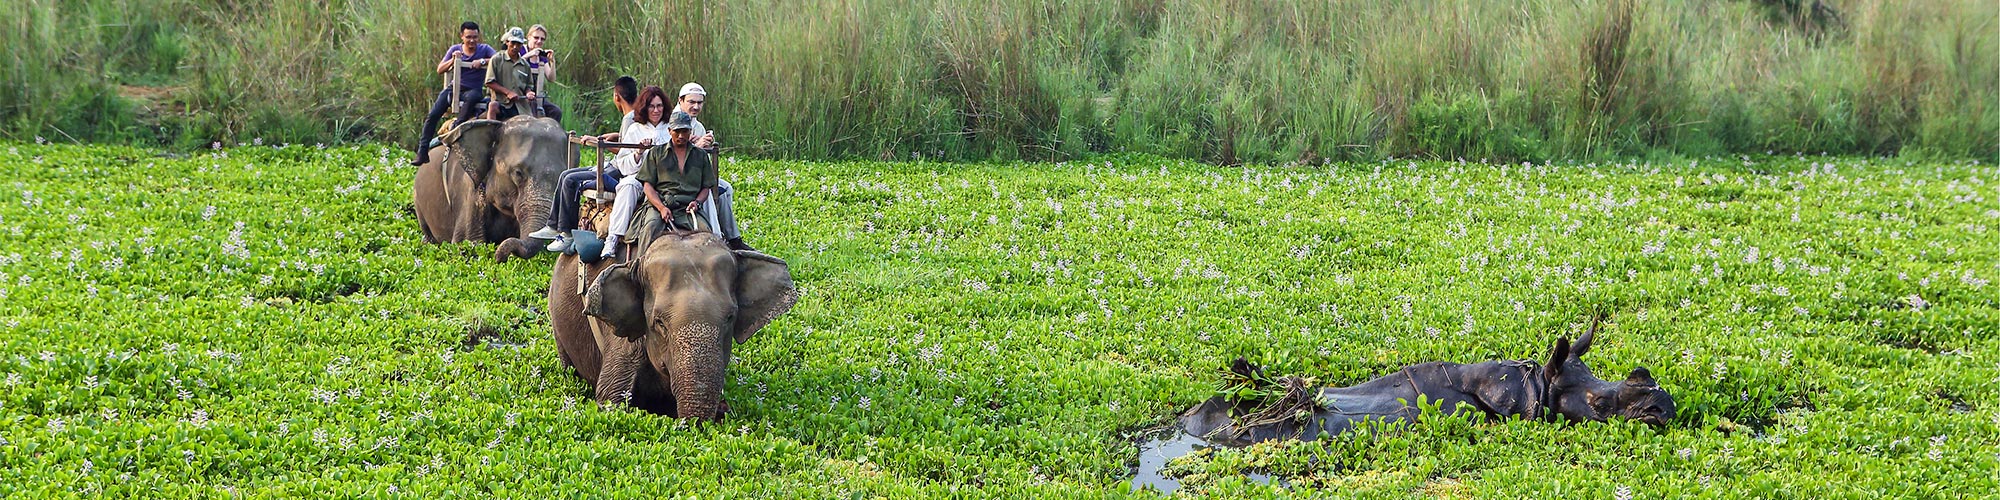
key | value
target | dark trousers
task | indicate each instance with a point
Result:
(551, 111)
(569, 191)
(468, 100)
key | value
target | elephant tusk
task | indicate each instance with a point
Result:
(444, 176)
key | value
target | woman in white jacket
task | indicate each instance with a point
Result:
(647, 128)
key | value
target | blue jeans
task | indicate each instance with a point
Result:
(569, 192)
(468, 99)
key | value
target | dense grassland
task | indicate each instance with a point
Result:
(1222, 81)
(265, 321)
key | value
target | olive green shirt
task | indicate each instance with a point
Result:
(677, 187)
(510, 72)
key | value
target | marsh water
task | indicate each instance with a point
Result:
(1155, 453)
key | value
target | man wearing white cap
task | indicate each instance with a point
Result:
(722, 204)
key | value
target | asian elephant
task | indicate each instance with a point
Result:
(656, 331)
(494, 182)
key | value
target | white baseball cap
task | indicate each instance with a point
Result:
(692, 88)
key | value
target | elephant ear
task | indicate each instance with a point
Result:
(617, 298)
(476, 140)
(764, 291)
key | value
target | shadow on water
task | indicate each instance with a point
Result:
(1163, 447)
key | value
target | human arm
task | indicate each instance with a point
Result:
(653, 198)
(548, 62)
(711, 180)
(500, 92)
(699, 198)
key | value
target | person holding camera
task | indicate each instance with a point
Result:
(542, 62)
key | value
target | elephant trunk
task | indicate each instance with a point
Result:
(696, 370)
(531, 213)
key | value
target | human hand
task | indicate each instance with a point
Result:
(692, 206)
(705, 142)
(646, 143)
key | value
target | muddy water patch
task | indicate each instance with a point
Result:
(1159, 448)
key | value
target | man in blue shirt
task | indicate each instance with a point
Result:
(471, 85)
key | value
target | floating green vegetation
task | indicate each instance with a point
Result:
(266, 321)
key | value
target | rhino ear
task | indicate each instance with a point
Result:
(1640, 377)
(1557, 356)
(617, 298)
(764, 291)
(477, 140)
(1583, 343)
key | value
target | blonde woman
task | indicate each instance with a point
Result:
(541, 60)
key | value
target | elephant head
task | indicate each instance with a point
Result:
(1578, 395)
(516, 163)
(688, 298)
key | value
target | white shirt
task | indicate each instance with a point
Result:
(627, 161)
(699, 129)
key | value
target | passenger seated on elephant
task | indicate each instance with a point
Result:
(722, 205)
(678, 177)
(624, 95)
(573, 182)
(509, 78)
(474, 55)
(542, 62)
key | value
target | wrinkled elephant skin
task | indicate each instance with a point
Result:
(493, 182)
(664, 322)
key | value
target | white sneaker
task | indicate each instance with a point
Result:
(610, 247)
(560, 245)
(546, 233)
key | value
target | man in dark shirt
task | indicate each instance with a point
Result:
(471, 88)
(677, 176)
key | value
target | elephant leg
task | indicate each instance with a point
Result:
(469, 217)
(623, 358)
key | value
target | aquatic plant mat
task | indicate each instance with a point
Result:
(265, 322)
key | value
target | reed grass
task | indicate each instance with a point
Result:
(1224, 81)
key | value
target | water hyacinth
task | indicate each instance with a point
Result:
(989, 326)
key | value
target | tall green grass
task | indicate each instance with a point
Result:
(1217, 80)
